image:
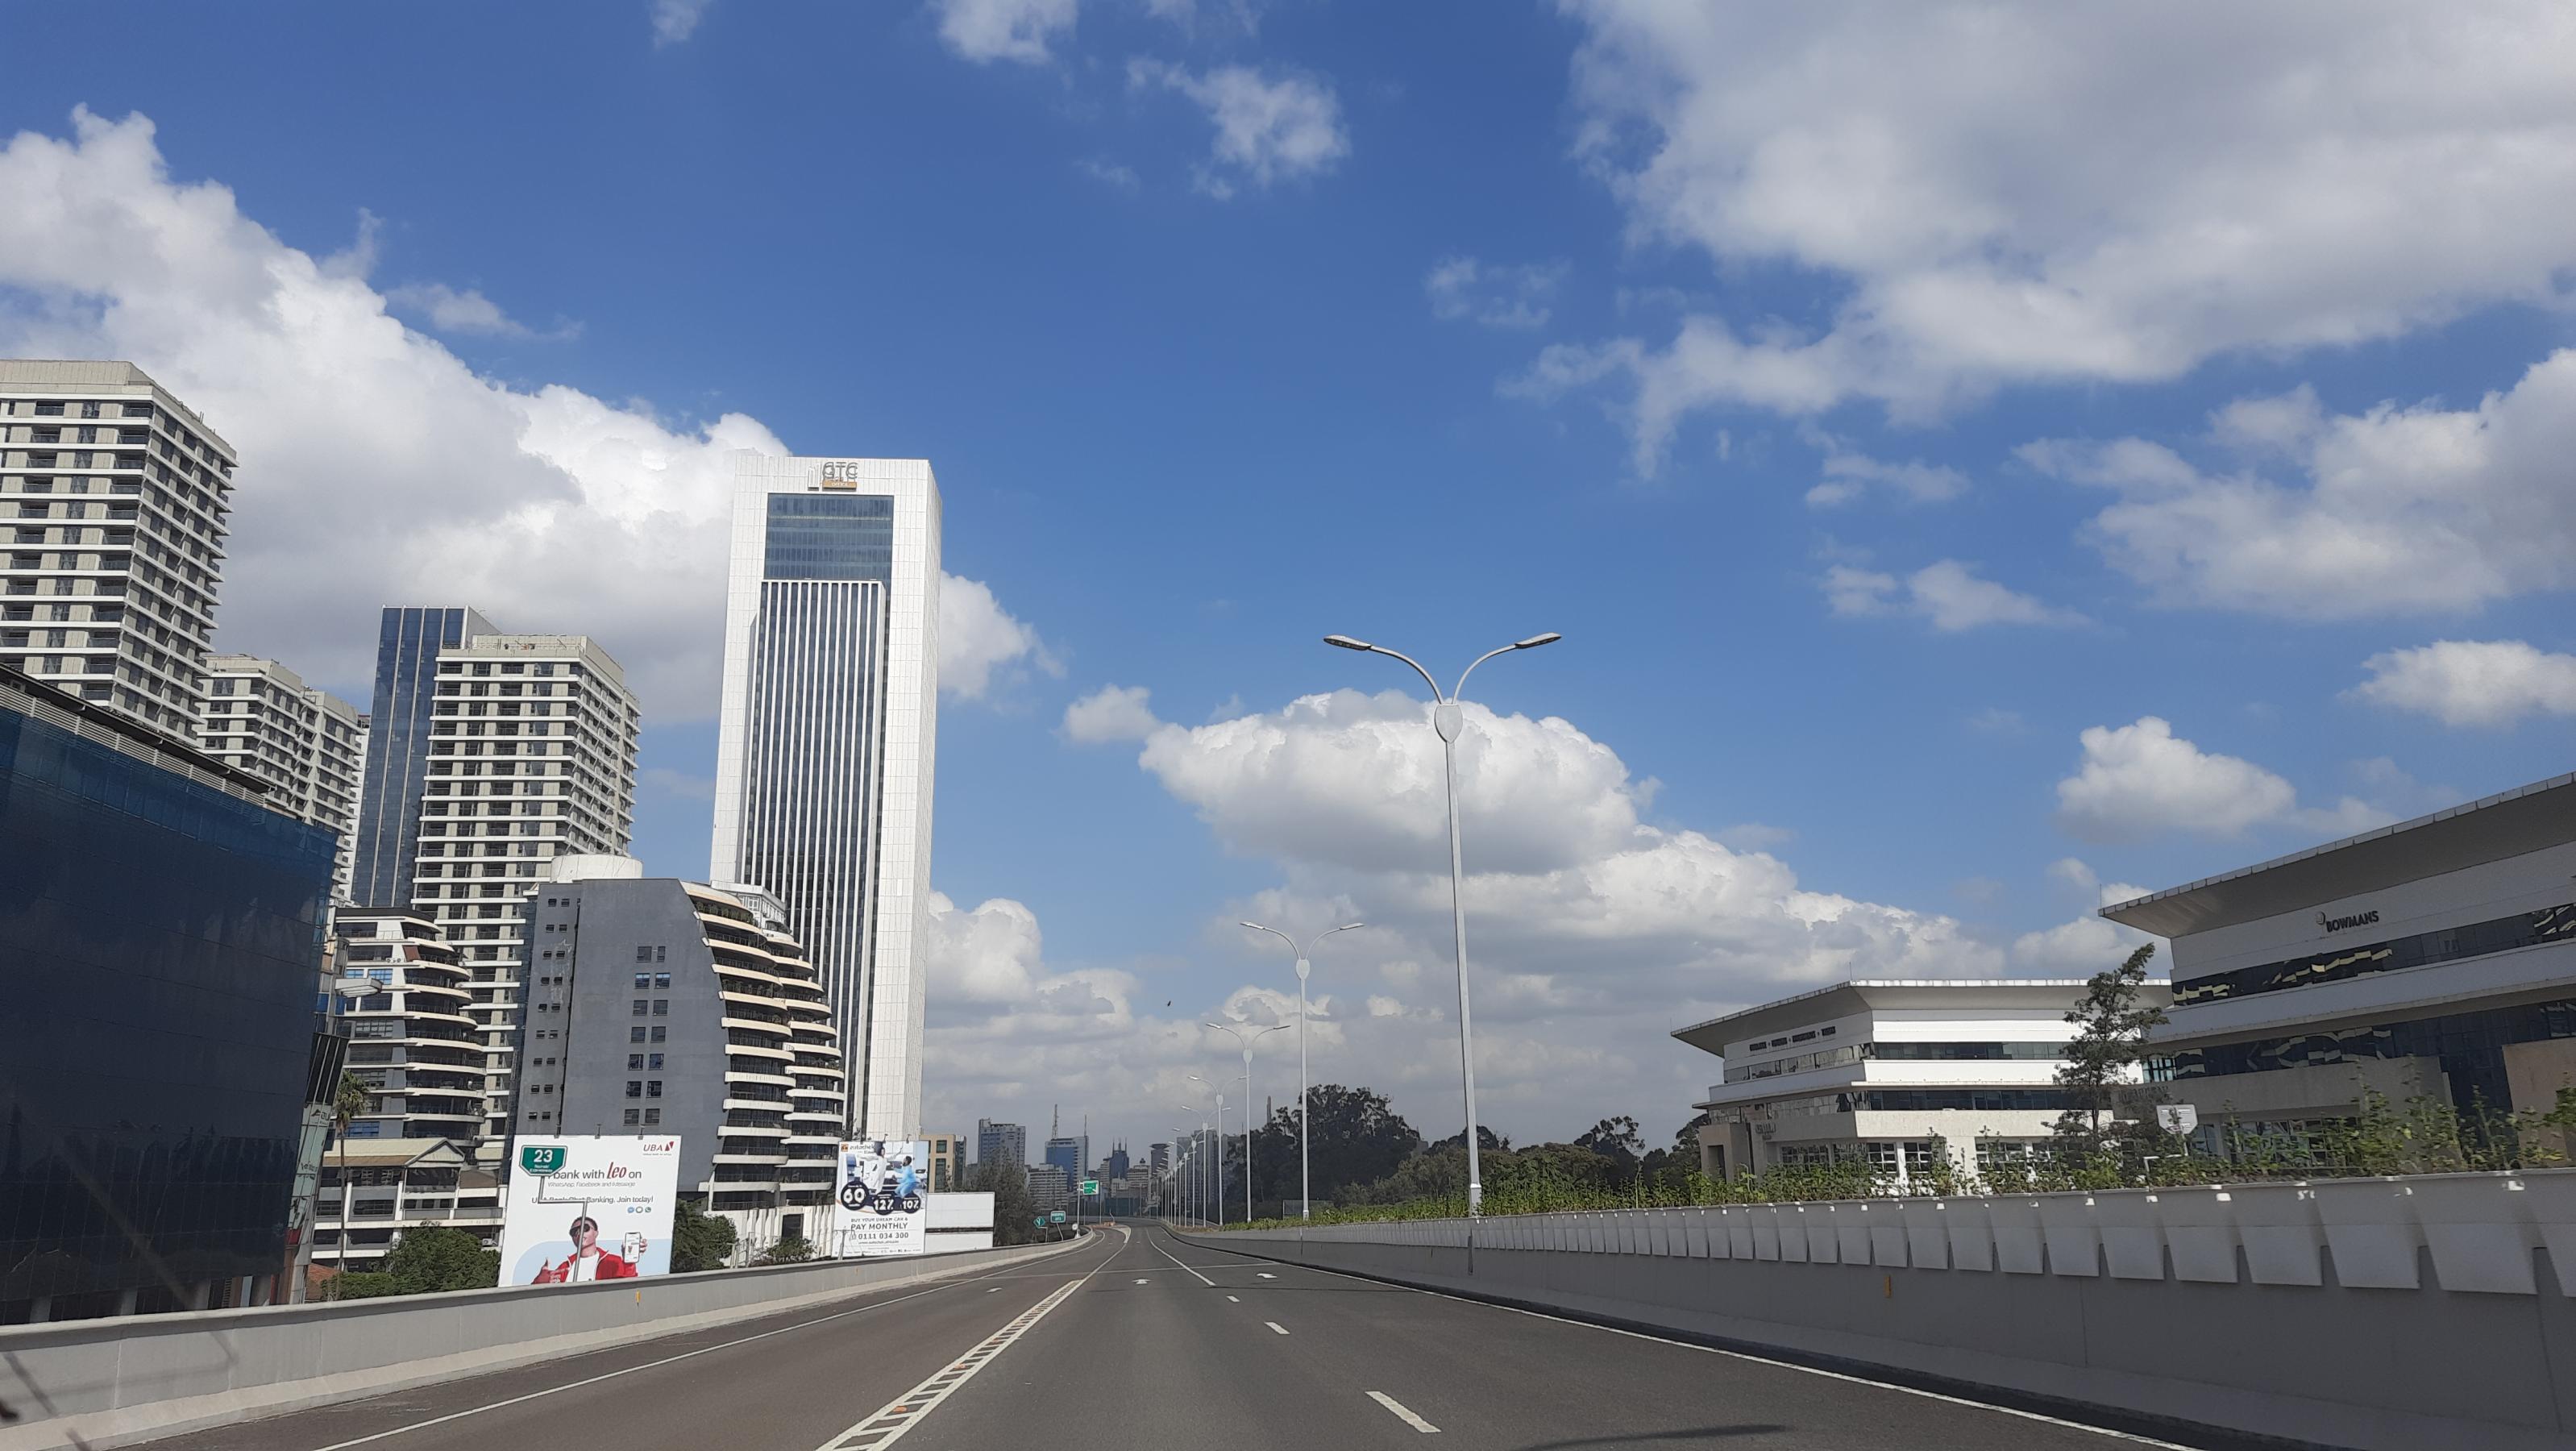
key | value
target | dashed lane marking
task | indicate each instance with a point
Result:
(1401, 1414)
(1275, 1325)
(1237, 1299)
(1265, 1274)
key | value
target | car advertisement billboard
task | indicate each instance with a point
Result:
(884, 1189)
(589, 1207)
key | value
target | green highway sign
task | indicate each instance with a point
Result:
(1040, 1221)
(1090, 1186)
(541, 1158)
(1058, 1216)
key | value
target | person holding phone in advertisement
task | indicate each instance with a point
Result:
(588, 1261)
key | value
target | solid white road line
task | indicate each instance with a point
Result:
(630, 1370)
(1167, 1254)
(2129, 1436)
(1401, 1414)
(898, 1416)
(1275, 1325)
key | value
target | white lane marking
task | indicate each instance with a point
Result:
(1265, 1274)
(2129, 1436)
(1235, 1299)
(1167, 1254)
(1275, 1325)
(1401, 1414)
(630, 1370)
(1144, 1282)
(898, 1416)
(994, 1291)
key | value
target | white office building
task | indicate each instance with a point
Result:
(115, 497)
(412, 1042)
(2434, 959)
(1877, 1072)
(307, 744)
(825, 737)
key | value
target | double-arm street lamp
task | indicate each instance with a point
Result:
(1216, 1167)
(1237, 1034)
(1448, 718)
(1305, 1182)
(1201, 1111)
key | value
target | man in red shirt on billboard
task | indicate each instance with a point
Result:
(588, 1261)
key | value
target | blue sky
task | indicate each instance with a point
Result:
(1977, 459)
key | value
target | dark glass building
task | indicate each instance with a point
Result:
(397, 769)
(160, 953)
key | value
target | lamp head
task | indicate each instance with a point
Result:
(1347, 643)
(1255, 926)
(1534, 641)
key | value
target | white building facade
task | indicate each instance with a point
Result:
(307, 744)
(2432, 960)
(412, 1042)
(115, 497)
(1889, 1074)
(826, 737)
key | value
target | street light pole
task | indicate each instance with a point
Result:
(1216, 1168)
(1202, 1113)
(1248, 1096)
(1305, 1179)
(1448, 718)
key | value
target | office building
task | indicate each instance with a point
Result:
(399, 722)
(1159, 1159)
(826, 731)
(1049, 1189)
(1000, 1143)
(1884, 1073)
(947, 1162)
(307, 744)
(2434, 959)
(1069, 1154)
(1114, 1166)
(116, 497)
(657, 1005)
(413, 1043)
(489, 756)
(159, 961)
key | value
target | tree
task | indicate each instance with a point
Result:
(2113, 1024)
(1013, 1210)
(1487, 1141)
(352, 1098)
(1359, 1139)
(793, 1249)
(699, 1240)
(429, 1261)
(1615, 1139)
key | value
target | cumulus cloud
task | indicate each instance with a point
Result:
(2396, 510)
(1111, 713)
(1268, 129)
(423, 481)
(2212, 179)
(1492, 294)
(1947, 593)
(676, 20)
(2142, 780)
(980, 642)
(2472, 682)
(2089, 943)
(1013, 30)
(1849, 477)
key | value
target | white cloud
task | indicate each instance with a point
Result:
(470, 312)
(2089, 943)
(1109, 173)
(1994, 720)
(1946, 592)
(1111, 713)
(1849, 476)
(1754, 836)
(2410, 510)
(1493, 294)
(676, 20)
(2210, 179)
(2141, 780)
(1014, 30)
(2472, 682)
(978, 639)
(1267, 130)
(424, 482)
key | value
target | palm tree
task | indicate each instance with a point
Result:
(346, 1105)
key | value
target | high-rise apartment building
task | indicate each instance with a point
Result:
(408, 642)
(489, 756)
(412, 1043)
(825, 739)
(1000, 1143)
(307, 744)
(114, 495)
(662, 1006)
(947, 1161)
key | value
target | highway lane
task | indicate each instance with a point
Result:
(1221, 1350)
(791, 1381)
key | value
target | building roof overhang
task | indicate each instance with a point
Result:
(1844, 999)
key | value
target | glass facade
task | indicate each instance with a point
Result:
(830, 536)
(2470, 1047)
(159, 945)
(2447, 944)
(1913, 1052)
(407, 644)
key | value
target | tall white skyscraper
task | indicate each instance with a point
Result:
(117, 496)
(825, 741)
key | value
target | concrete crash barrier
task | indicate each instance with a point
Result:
(2381, 1314)
(113, 1382)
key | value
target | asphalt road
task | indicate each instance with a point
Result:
(1147, 1341)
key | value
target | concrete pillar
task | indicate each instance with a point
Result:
(125, 1301)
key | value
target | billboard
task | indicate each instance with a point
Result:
(589, 1207)
(884, 1188)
